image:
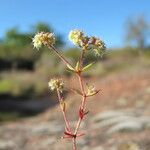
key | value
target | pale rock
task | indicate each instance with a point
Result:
(126, 126)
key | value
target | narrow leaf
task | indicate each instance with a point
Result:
(70, 67)
(63, 105)
(78, 66)
(88, 66)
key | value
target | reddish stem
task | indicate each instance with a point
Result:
(80, 120)
(74, 144)
(82, 104)
(81, 84)
(64, 113)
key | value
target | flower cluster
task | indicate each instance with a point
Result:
(43, 38)
(56, 84)
(76, 36)
(87, 43)
(97, 45)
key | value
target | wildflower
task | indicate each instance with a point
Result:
(76, 36)
(97, 45)
(56, 84)
(43, 38)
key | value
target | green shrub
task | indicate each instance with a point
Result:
(6, 86)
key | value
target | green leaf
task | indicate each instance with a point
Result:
(78, 66)
(88, 66)
(70, 70)
(70, 67)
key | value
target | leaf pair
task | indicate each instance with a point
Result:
(77, 67)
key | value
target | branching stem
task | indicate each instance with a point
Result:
(84, 97)
(82, 106)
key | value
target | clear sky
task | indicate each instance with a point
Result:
(103, 18)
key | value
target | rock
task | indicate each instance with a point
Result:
(85, 148)
(82, 141)
(98, 148)
(122, 101)
(140, 104)
(6, 145)
(111, 114)
(46, 143)
(147, 126)
(145, 119)
(114, 120)
(45, 129)
(128, 146)
(148, 90)
(126, 126)
(146, 122)
(117, 121)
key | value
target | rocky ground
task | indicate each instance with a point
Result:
(119, 119)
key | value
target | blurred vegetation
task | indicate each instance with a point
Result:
(24, 72)
(16, 50)
(137, 32)
(34, 83)
(7, 116)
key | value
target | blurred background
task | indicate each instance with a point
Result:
(119, 116)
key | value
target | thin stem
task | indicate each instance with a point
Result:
(80, 120)
(64, 113)
(74, 144)
(81, 84)
(82, 104)
(59, 55)
(81, 58)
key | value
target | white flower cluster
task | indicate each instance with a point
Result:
(56, 84)
(43, 38)
(78, 38)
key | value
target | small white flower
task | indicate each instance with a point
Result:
(56, 84)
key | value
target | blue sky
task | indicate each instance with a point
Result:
(103, 18)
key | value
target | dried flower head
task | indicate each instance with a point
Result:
(91, 90)
(56, 84)
(76, 37)
(43, 38)
(97, 45)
